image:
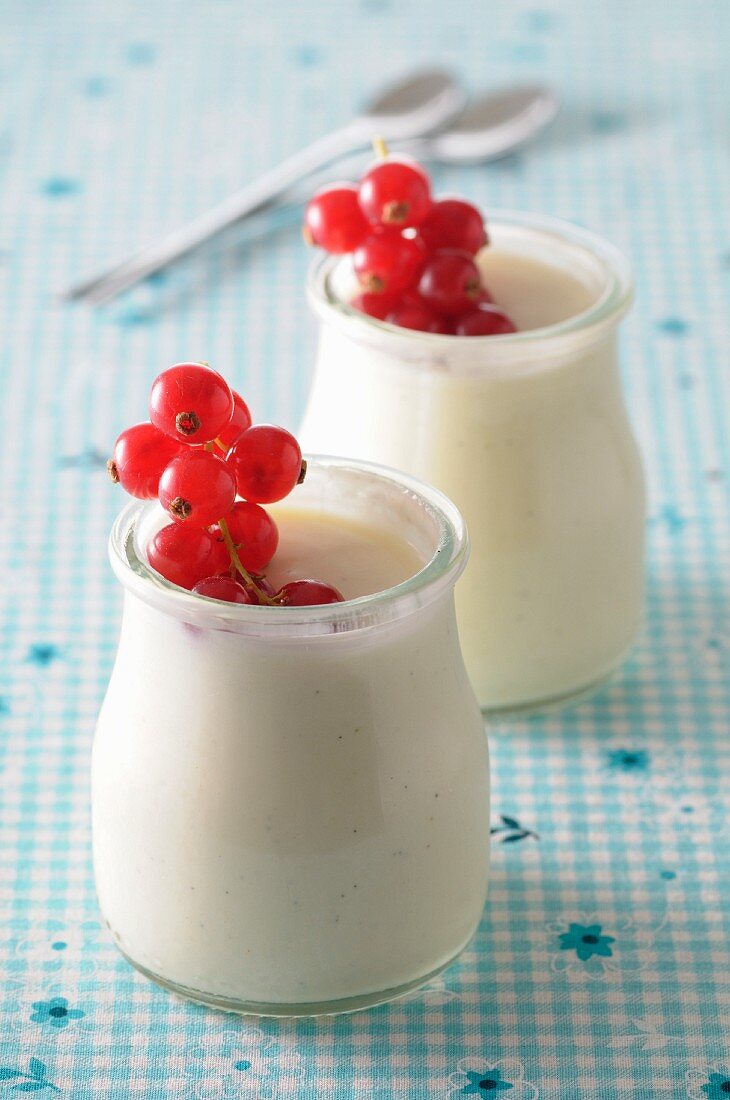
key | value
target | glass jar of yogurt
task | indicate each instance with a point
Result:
(528, 434)
(290, 805)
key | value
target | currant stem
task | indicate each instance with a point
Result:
(231, 547)
(380, 147)
(221, 445)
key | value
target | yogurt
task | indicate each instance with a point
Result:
(357, 558)
(290, 805)
(528, 434)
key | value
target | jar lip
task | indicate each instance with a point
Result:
(608, 308)
(440, 572)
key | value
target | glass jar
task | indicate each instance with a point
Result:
(528, 434)
(290, 805)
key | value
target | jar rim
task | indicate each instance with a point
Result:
(608, 308)
(440, 572)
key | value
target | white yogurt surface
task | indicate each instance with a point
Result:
(293, 820)
(531, 293)
(356, 558)
(538, 456)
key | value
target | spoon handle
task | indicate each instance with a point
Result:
(269, 186)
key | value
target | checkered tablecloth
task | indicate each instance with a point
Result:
(118, 120)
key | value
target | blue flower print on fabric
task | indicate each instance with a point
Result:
(483, 1077)
(55, 1013)
(490, 1083)
(584, 949)
(586, 941)
(709, 1082)
(629, 760)
(717, 1086)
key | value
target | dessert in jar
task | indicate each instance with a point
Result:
(290, 778)
(512, 407)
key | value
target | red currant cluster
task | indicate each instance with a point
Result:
(413, 254)
(199, 453)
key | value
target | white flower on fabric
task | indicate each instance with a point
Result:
(52, 944)
(496, 1079)
(588, 946)
(668, 801)
(238, 1061)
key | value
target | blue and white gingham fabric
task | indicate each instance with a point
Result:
(122, 118)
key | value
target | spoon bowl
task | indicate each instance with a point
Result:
(412, 107)
(494, 125)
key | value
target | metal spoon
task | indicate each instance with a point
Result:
(417, 105)
(492, 126)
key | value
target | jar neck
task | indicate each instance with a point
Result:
(602, 269)
(410, 510)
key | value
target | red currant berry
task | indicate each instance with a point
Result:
(190, 402)
(308, 593)
(333, 218)
(237, 425)
(410, 297)
(485, 320)
(387, 262)
(254, 534)
(223, 588)
(450, 282)
(375, 305)
(483, 297)
(140, 455)
(453, 223)
(267, 462)
(395, 191)
(418, 317)
(185, 555)
(197, 488)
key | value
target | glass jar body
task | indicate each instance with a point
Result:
(530, 437)
(288, 824)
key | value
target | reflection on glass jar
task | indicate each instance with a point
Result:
(527, 433)
(290, 805)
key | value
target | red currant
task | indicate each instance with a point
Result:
(190, 402)
(267, 462)
(254, 533)
(308, 593)
(333, 218)
(485, 320)
(387, 262)
(410, 297)
(375, 305)
(197, 488)
(237, 425)
(223, 588)
(414, 316)
(140, 455)
(450, 282)
(185, 555)
(453, 223)
(395, 191)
